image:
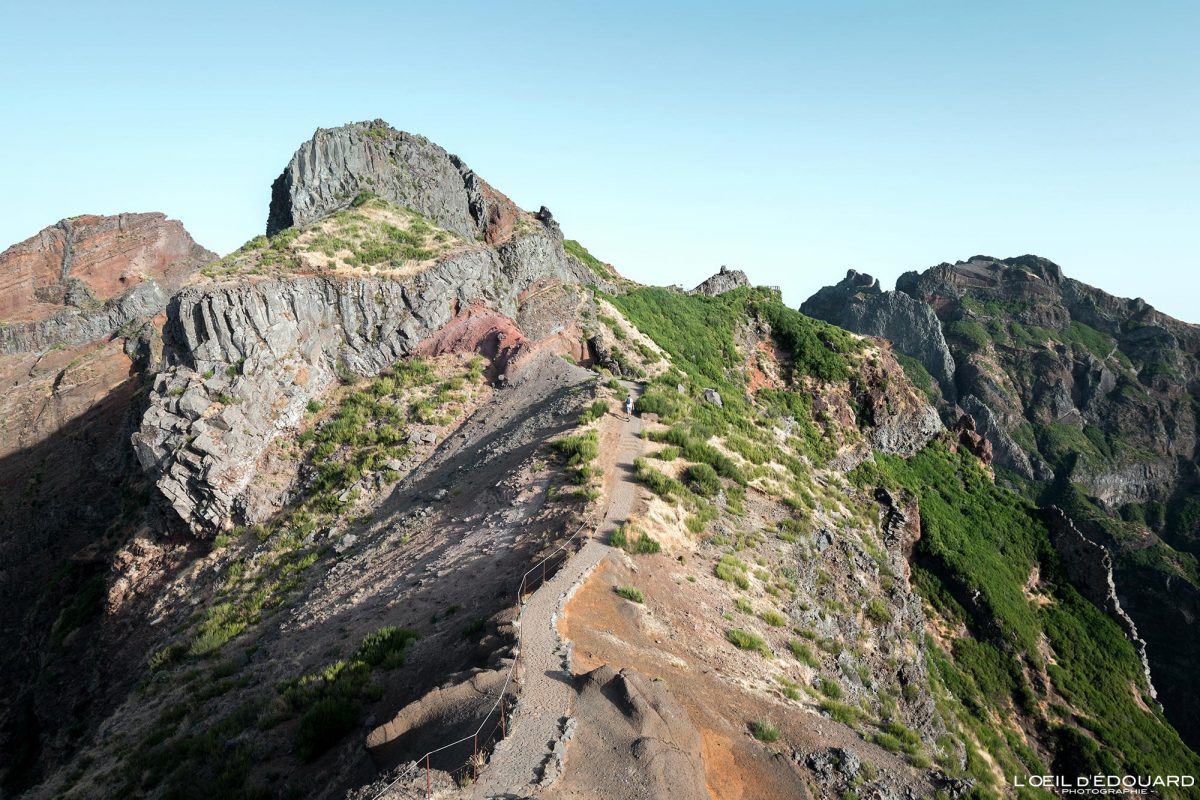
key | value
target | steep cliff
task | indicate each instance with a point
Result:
(1088, 401)
(857, 304)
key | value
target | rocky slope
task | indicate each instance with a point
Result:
(79, 332)
(1087, 399)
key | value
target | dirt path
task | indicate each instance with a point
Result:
(533, 750)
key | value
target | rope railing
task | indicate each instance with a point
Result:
(540, 572)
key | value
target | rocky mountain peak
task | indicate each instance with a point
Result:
(1027, 278)
(338, 165)
(83, 261)
(725, 280)
(860, 282)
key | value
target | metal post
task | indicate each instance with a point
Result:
(503, 732)
(428, 787)
(543, 572)
(475, 759)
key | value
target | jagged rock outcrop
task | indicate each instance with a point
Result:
(76, 306)
(726, 280)
(971, 439)
(328, 172)
(267, 348)
(1039, 349)
(857, 304)
(246, 357)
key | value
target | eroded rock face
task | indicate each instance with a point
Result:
(635, 727)
(79, 309)
(87, 260)
(726, 280)
(330, 170)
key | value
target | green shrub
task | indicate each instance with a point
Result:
(968, 332)
(830, 688)
(705, 479)
(764, 730)
(474, 628)
(642, 544)
(877, 612)
(840, 712)
(662, 485)
(631, 593)
(580, 448)
(773, 618)
(744, 640)
(802, 652)
(732, 570)
(594, 412)
(236, 368)
(385, 647)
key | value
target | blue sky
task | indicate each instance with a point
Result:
(792, 140)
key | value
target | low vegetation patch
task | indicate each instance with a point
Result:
(631, 593)
(764, 730)
(633, 541)
(743, 640)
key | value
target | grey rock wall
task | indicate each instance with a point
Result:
(245, 358)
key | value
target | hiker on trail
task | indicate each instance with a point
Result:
(628, 405)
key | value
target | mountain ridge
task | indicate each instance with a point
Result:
(354, 434)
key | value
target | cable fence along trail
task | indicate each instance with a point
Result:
(524, 736)
(495, 724)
